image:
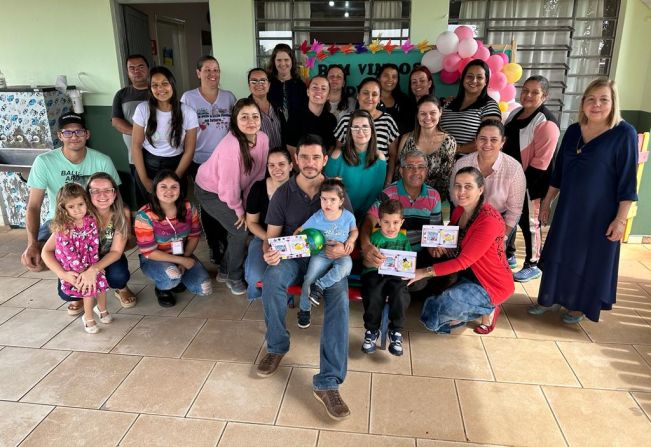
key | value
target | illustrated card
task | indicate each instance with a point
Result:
(398, 263)
(440, 236)
(291, 246)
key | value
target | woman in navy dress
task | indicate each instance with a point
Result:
(595, 175)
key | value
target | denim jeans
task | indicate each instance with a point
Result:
(323, 272)
(334, 334)
(117, 275)
(44, 231)
(254, 268)
(196, 279)
(464, 301)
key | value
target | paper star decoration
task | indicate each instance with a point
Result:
(375, 46)
(304, 47)
(423, 46)
(321, 55)
(389, 47)
(309, 62)
(360, 48)
(333, 48)
(316, 46)
(347, 49)
(407, 46)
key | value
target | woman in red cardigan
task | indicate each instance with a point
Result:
(485, 279)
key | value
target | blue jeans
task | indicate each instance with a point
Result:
(44, 231)
(254, 268)
(166, 276)
(334, 335)
(464, 301)
(323, 272)
(117, 275)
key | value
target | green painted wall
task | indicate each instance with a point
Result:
(429, 18)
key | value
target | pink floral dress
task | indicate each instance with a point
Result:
(77, 249)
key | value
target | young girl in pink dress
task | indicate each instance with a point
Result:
(73, 248)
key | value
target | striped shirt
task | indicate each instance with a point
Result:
(463, 124)
(425, 210)
(154, 234)
(386, 131)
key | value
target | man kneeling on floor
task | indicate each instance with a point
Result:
(291, 205)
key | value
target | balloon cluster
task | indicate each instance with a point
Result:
(454, 50)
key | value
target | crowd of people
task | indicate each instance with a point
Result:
(367, 171)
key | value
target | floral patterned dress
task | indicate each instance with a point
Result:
(76, 249)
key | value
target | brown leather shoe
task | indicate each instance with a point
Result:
(269, 364)
(333, 403)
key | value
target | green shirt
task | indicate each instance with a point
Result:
(51, 170)
(400, 242)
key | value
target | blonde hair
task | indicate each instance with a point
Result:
(614, 117)
(117, 209)
(61, 220)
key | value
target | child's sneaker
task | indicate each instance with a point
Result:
(304, 319)
(370, 337)
(316, 294)
(395, 343)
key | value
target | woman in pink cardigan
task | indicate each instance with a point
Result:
(224, 181)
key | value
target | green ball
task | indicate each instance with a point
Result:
(315, 240)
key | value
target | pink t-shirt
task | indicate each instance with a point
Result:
(223, 174)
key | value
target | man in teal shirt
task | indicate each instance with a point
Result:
(74, 162)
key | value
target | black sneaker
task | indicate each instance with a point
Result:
(370, 337)
(180, 288)
(395, 343)
(316, 294)
(303, 319)
(165, 297)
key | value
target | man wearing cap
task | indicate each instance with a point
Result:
(73, 162)
(124, 104)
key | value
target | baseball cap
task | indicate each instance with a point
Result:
(71, 118)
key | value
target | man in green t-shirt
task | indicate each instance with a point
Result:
(74, 162)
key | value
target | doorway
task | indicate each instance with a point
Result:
(170, 37)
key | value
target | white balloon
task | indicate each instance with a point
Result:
(494, 94)
(433, 60)
(467, 47)
(447, 42)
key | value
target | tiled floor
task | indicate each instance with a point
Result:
(185, 376)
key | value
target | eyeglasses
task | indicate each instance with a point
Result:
(415, 167)
(360, 129)
(70, 133)
(99, 192)
(258, 81)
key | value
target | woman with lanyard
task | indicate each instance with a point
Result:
(168, 231)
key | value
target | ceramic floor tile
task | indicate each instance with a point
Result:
(381, 361)
(339, 439)
(221, 305)
(42, 295)
(32, 328)
(9, 287)
(301, 409)
(453, 356)
(82, 380)
(644, 401)
(74, 339)
(304, 349)
(544, 327)
(634, 270)
(251, 435)
(395, 400)
(355, 316)
(18, 420)
(229, 388)
(502, 413)
(22, 368)
(619, 326)
(599, 417)
(160, 386)
(167, 431)
(529, 361)
(148, 303)
(8, 312)
(531, 288)
(255, 311)
(235, 341)
(73, 427)
(433, 443)
(160, 337)
(645, 352)
(11, 266)
(520, 295)
(608, 366)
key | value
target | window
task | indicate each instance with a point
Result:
(340, 22)
(570, 42)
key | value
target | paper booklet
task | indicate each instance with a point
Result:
(398, 263)
(291, 246)
(440, 236)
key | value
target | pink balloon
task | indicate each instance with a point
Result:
(467, 47)
(504, 57)
(449, 77)
(463, 63)
(482, 53)
(451, 61)
(495, 63)
(480, 44)
(508, 92)
(498, 82)
(463, 32)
